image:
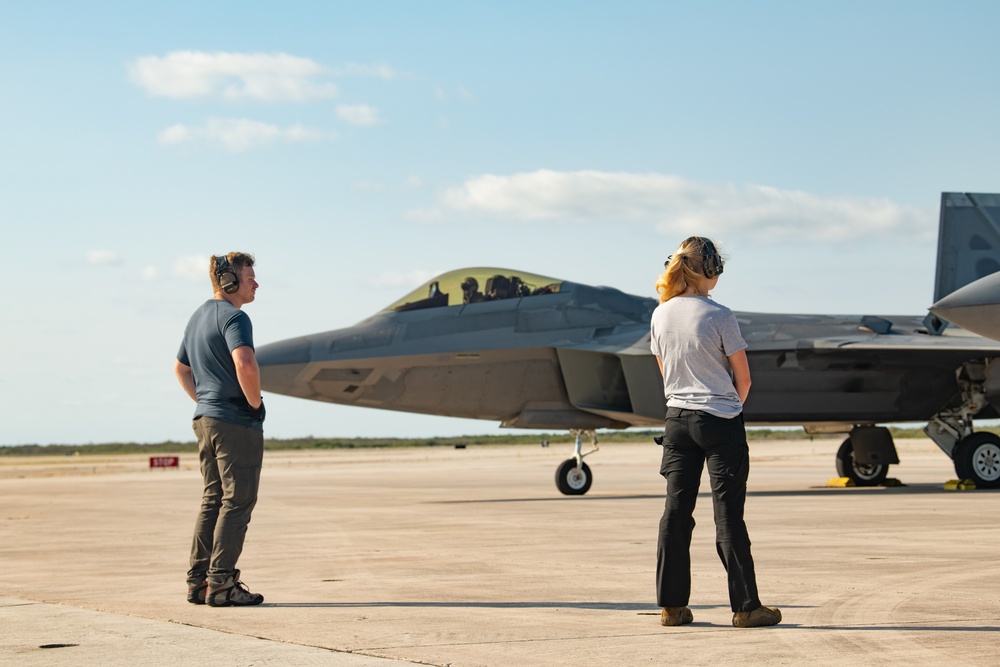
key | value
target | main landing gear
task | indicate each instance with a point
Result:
(573, 477)
(862, 474)
(976, 455)
(865, 456)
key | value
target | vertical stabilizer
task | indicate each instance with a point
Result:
(968, 240)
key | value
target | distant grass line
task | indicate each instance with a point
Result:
(280, 444)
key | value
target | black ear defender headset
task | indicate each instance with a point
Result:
(226, 275)
(711, 260)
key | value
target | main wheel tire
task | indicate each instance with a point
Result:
(861, 475)
(977, 457)
(573, 480)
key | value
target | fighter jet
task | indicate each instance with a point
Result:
(531, 351)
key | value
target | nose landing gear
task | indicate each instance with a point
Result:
(573, 477)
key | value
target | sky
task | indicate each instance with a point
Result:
(359, 148)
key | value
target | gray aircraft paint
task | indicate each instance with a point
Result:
(561, 355)
(968, 240)
(975, 307)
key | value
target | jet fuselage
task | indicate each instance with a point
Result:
(579, 358)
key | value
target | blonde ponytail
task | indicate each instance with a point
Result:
(683, 270)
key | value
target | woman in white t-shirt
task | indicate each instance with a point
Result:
(706, 379)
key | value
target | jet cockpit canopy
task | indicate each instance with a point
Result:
(475, 285)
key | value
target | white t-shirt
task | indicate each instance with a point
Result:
(693, 336)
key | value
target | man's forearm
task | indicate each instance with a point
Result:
(248, 375)
(186, 378)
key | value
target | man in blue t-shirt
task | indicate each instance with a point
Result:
(217, 368)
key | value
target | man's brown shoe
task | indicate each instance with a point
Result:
(232, 593)
(676, 616)
(757, 618)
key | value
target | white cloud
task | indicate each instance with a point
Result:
(407, 280)
(240, 134)
(193, 268)
(358, 114)
(378, 70)
(175, 134)
(234, 76)
(104, 258)
(674, 206)
(149, 274)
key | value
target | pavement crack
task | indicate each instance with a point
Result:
(502, 642)
(361, 652)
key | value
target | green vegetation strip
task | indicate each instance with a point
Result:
(275, 444)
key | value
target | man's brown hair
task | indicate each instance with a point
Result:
(237, 260)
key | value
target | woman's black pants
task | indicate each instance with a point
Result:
(692, 438)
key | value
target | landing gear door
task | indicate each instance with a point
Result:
(873, 446)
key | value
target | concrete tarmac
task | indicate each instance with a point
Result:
(439, 556)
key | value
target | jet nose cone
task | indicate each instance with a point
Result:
(975, 307)
(281, 364)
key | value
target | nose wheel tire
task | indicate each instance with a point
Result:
(977, 457)
(573, 479)
(859, 473)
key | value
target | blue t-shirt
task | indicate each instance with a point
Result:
(213, 332)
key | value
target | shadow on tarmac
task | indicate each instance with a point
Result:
(915, 489)
(898, 628)
(602, 606)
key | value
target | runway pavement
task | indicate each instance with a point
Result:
(467, 557)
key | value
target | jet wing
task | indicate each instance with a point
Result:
(806, 369)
